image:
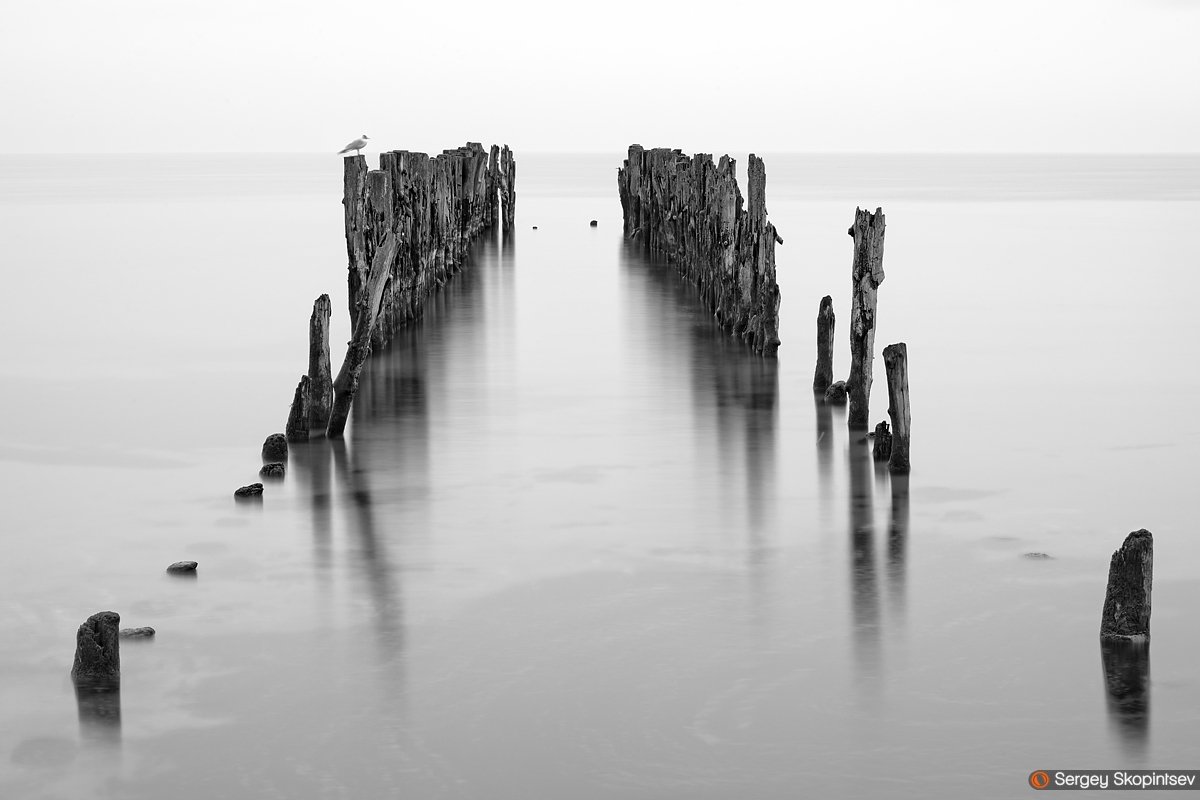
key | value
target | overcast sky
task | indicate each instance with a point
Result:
(868, 75)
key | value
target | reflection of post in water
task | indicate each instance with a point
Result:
(898, 541)
(1126, 680)
(372, 555)
(99, 713)
(313, 460)
(743, 389)
(865, 598)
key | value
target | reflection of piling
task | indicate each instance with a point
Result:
(1126, 667)
(1126, 612)
(895, 361)
(865, 598)
(898, 540)
(867, 274)
(826, 322)
(99, 713)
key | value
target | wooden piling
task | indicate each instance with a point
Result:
(320, 373)
(296, 429)
(1126, 614)
(359, 348)
(866, 275)
(436, 207)
(895, 362)
(689, 212)
(826, 323)
(98, 651)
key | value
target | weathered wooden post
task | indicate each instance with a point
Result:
(98, 651)
(895, 362)
(881, 450)
(1126, 614)
(689, 211)
(867, 274)
(360, 344)
(296, 429)
(826, 323)
(320, 373)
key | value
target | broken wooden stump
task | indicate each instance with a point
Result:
(826, 323)
(866, 275)
(1126, 614)
(98, 651)
(881, 450)
(320, 373)
(296, 429)
(895, 362)
(689, 211)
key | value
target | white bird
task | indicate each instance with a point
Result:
(356, 145)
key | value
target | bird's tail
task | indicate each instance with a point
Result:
(345, 150)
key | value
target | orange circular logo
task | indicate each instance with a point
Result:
(1039, 779)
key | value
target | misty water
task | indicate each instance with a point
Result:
(577, 542)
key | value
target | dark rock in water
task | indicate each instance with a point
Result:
(275, 448)
(593, 223)
(97, 651)
(535, 227)
(273, 470)
(882, 450)
(250, 492)
(835, 395)
(183, 566)
(1126, 612)
(136, 633)
(1036, 556)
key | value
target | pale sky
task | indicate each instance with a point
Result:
(862, 76)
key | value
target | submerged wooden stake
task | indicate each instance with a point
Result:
(895, 362)
(826, 323)
(867, 274)
(1126, 612)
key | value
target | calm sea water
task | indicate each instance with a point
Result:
(578, 543)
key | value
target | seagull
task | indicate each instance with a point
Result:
(356, 145)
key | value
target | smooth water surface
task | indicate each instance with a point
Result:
(577, 542)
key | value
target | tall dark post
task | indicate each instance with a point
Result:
(320, 373)
(1126, 614)
(296, 429)
(867, 274)
(826, 323)
(895, 361)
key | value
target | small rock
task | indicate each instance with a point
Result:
(273, 470)
(535, 227)
(835, 395)
(254, 490)
(882, 450)
(1035, 555)
(136, 633)
(275, 448)
(593, 223)
(183, 566)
